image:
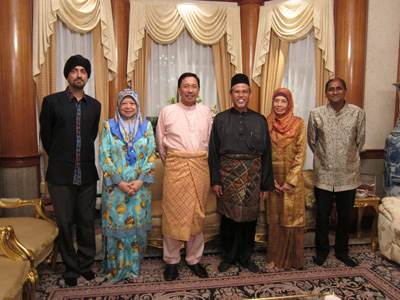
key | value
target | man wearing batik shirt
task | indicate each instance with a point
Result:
(69, 123)
(241, 174)
(182, 136)
(336, 135)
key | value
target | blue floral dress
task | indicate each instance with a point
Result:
(125, 219)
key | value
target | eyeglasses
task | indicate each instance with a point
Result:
(188, 87)
(282, 101)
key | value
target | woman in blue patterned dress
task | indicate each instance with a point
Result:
(127, 159)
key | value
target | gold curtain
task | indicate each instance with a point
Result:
(46, 80)
(224, 71)
(101, 78)
(207, 24)
(79, 16)
(293, 21)
(140, 73)
(272, 72)
(322, 76)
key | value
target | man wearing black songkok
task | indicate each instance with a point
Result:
(69, 123)
(241, 174)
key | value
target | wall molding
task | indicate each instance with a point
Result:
(373, 154)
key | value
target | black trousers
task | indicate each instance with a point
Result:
(237, 240)
(344, 206)
(75, 205)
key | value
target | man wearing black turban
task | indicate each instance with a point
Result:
(241, 174)
(69, 123)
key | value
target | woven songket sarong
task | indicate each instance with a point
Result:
(186, 188)
(241, 177)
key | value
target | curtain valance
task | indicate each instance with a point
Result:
(207, 24)
(292, 21)
(80, 16)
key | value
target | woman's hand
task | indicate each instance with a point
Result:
(125, 188)
(135, 186)
(284, 188)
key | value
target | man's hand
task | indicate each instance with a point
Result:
(217, 190)
(264, 195)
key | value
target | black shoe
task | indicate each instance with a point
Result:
(251, 266)
(347, 261)
(171, 272)
(199, 270)
(71, 281)
(319, 259)
(224, 266)
(89, 275)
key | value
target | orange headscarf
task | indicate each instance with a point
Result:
(283, 129)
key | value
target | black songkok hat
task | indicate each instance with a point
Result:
(77, 60)
(239, 78)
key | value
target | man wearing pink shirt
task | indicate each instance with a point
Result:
(183, 131)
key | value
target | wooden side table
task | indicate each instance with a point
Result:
(364, 202)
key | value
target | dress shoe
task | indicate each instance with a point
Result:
(171, 272)
(89, 275)
(199, 270)
(251, 266)
(224, 266)
(347, 260)
(319, 259)
(71, 281)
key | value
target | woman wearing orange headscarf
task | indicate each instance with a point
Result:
(285, 205)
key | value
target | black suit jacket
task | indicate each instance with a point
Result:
(58, 134)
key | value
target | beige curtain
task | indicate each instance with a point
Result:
(292, 21)
(46, 80)
(80, 16)
(224, 71)
(207, 24)
(140, 73)
(101, 78)
(272, 72)
(322, 75)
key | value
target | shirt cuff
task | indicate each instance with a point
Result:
(114, 180)
(146, 178)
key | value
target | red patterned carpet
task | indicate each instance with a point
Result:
(374, 278)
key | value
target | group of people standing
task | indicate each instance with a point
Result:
(245, 157)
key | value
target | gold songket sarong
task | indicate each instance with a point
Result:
(186, 187)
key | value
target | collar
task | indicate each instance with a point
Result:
(71, 96)
(236, 112)
(185, 107)
(340, 111)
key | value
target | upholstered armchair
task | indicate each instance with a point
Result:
(36, 235)
(389, 228)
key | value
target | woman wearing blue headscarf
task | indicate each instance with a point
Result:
(127, 155)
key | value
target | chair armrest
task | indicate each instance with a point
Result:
(11, 247)
(17, 202)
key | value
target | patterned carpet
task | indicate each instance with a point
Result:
(374, 278)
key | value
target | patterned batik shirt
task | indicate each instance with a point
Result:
(336, 140)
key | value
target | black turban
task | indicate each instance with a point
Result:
(77, 60)
(239, 78)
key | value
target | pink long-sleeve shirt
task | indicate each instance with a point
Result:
(183, 128)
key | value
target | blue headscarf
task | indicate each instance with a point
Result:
(128, 130)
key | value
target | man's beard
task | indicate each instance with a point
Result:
(78, 86)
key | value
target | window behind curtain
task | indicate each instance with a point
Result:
(300, 79)
(168, 62)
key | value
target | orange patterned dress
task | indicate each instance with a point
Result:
(286, 212)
